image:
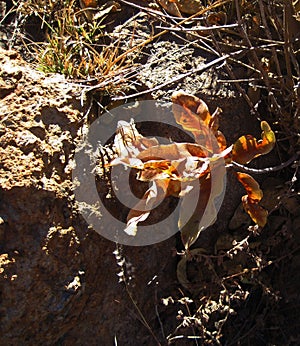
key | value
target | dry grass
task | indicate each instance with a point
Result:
(76, 42)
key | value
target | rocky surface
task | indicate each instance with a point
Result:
(59, 282)
(62, 283)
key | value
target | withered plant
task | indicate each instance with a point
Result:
(184, 165)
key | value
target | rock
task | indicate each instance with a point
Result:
(58, 277)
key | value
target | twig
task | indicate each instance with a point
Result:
(265, 170)
(258, 269)
(206, 46)
(247, 66)
(158, 316)
(274, 54)
(256, 59)
(237, 84)
(241, 80)
(185, 20)
(287, 49)
(177, 78)
(154, 12)
(188, 337)
(199, 28)
(190, 315)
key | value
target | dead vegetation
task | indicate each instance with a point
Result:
(244, 290)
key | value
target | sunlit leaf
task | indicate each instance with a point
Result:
(140, 212)
(182, 166)
(156, 193)
(190, 111)
(257, 213)
(246, 148)
(193, 115)
(184, 169)
(156, 170)
(199, 208)
(251, 186)
(251, 201)
(171, 151)
(221, 140)
(129, 142)
(132, 162)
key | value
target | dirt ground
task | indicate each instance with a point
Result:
(61, 283)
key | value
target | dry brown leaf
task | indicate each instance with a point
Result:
(173, 151)
(193, 207)
(246, 148)
(140, 212)
(129, 142)
(251, 186)
(177, 169)
(251, 201)
(221, 140)
(257, 213)
(191, 110)
(193, 115)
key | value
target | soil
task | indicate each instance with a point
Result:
(62, 283)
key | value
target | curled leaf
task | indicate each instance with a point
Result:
(129, 142)
(251, 186)
(191, 110)
(246, 148)
(251, 201)
(257, 213)
(192, 209)
(156, 193)
(183, 169)
(140, 212)
(156, 170)
(171, 151)
(193, 115)
(221, 140)
(178, 161)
